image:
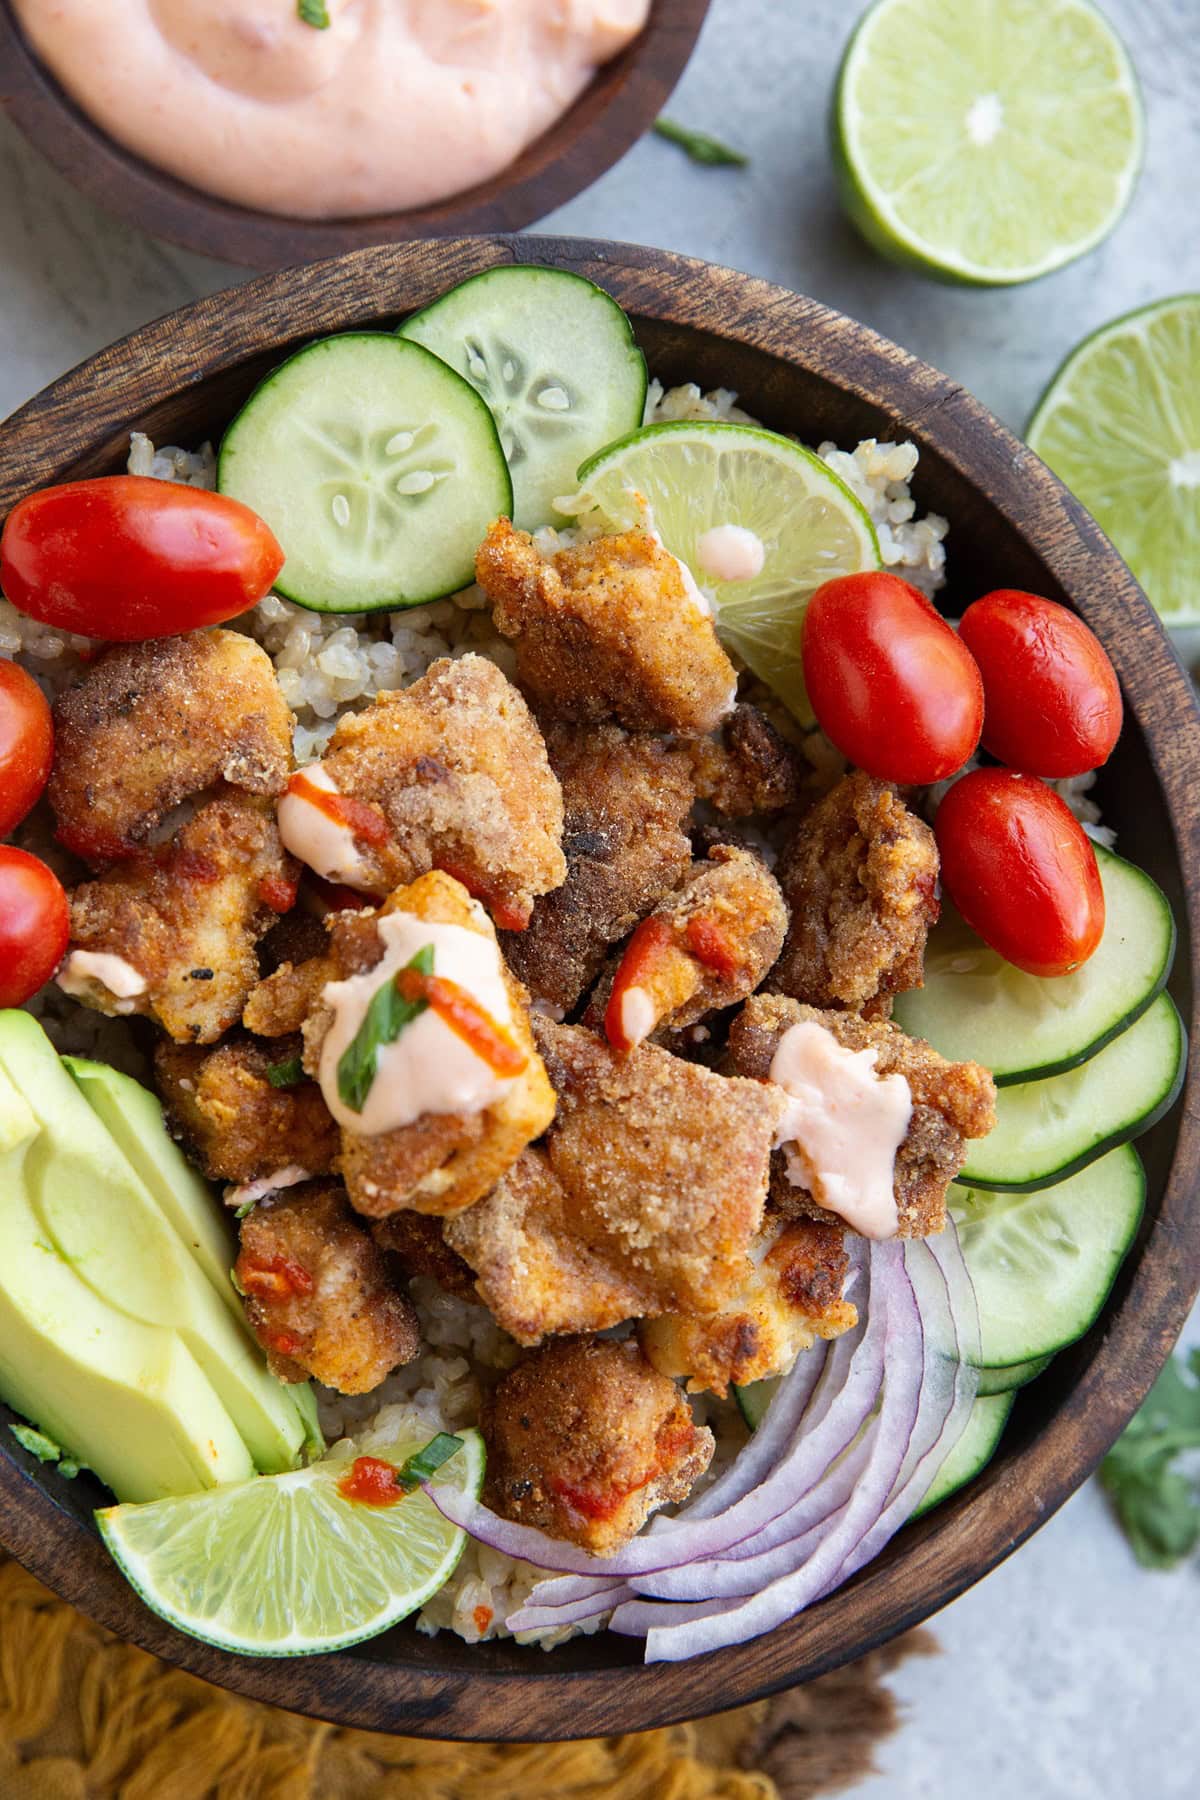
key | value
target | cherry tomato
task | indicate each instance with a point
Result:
(26, 744)
(129, 557)
(34, 925)
(1051, 703)
(1021, 870)
(890, 683)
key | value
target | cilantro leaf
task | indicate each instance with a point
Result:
(426, 1462)
(385, 1019)
(1158, 1503)
(700, 147)
(314, 13)
(37, 1443)
(286, 1074)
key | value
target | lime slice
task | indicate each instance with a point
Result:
(285, 1565)
(685, 480)
(1120, 424)
(986, 141)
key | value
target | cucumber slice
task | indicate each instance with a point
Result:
(973, 1451)
(974, 1005)
(754, 1399)
(1043, 1263)
(1007, 1381)
(554, 357)
(376, 466)
(1046, 1130)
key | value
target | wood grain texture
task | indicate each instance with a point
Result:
(799, 367)
(621, 103)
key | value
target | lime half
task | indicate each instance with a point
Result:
(986, 141)
(686, 481)
(285, 1565)
(1120, 424)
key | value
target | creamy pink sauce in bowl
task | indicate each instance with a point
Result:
(396, 104)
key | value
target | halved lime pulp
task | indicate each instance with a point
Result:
(286, 1565)
(986, 141)
(686, 480)
(1120, 424)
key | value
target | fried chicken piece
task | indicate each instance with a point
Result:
(151, 724)
(585, 1440)
(283, 1000)
(172, 933)
(607, 630)
(642, 1199)
(791, 1295)
(704, 948)
(626, 798)
(860, 880)
(746, 767)
(951, 1102)
(450, 773)
(441, 1161)
(233, 1121)
(318, 1294)
(418, 1244)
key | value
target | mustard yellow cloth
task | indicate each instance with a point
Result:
(85, 1717)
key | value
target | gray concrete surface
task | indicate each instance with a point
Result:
(1070, 1674)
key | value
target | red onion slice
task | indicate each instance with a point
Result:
(845, 1502)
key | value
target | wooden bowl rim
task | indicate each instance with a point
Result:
(957, 1544)
(616, 109)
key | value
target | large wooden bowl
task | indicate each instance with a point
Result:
(621, 103)
(804, 369)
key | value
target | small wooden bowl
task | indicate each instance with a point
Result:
(801, 368)
(621, 104)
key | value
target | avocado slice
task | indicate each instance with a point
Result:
(125, 1398)
(133, 1118)
(93, 1214)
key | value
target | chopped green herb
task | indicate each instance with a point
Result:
(286, 1074)
(242, 1211)
(68, 1469)
(700, 147)
(385, 1019)
(314, 13)
(37, 1443)
(424, 1463)
(1157, 1503)
(237, 1286)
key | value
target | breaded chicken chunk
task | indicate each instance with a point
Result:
(418, 1244)
(704, 948)
(171, 933)
(585, 1440)
(746, 767)
(951, 1102)
(860, 880)
(642, 1199)
(441, 1161)
(450, 773)
(791, 1295)
(626, 799)
(233, 1120)
(318, 1294)
(151, 724)
(278, 1005)
(607, 630)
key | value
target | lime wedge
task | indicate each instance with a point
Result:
(285, 1565)
(686, 479)
(986, 141)
(1120, 424)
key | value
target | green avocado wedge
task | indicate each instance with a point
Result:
(75, 1208)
